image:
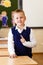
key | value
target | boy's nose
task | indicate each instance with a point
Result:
(19, 19)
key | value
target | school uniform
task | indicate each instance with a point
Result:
(20, 49)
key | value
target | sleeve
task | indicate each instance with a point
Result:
(32, 42)
(11, 49)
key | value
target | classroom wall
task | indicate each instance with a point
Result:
(39, 39)
(34, 12)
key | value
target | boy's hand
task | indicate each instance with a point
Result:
(22, 39)
(13, 56)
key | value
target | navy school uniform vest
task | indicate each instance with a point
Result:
(20, 49)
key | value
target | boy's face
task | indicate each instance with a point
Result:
(19, 19)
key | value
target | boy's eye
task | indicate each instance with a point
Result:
(20, 18)
(17, 18)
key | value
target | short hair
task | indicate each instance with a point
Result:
(19, 10)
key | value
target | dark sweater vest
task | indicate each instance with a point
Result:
(20, 49)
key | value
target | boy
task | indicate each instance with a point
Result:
(20, 37)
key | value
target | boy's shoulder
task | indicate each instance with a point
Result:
(13, 27)
(27, 27)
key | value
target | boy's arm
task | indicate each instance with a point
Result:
(32, 41)
(11, 49)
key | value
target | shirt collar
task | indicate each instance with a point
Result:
(20, 30)
(23, 27)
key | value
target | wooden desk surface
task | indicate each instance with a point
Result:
(3, 52)
(3, 40)
(20, 60)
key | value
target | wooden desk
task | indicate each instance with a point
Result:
(3, 40)
(3, 52)
(20, 60)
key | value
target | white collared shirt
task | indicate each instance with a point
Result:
(30, 43)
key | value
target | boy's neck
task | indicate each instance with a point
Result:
(20, 27)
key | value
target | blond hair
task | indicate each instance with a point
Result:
(19, 10)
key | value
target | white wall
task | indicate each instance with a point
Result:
(34, 12)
